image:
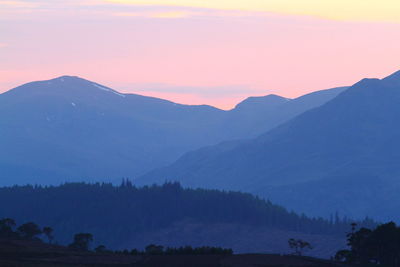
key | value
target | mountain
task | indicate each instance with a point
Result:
(345, 151)
(127, 217)
(72, 129)
(257, 115)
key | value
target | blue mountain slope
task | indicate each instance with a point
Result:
(72, 129)
(353, 136)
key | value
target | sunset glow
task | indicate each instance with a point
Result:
(215, 52)
(367, 10)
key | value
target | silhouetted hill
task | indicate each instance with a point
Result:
(350, 142)
(72, 129)
(129, 217)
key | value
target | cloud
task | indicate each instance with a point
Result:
(17, 8)
(354, 10)
(159, 15)
(35, 5)
(101, 9)
(224, 97)
(171, 15)
(2, 45)
(345, 10)
(204, 91)
(18, 4)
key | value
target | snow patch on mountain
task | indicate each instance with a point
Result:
(107, 89)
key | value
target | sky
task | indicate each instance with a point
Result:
(215, 52)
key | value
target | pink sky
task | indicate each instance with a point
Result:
(192, 55)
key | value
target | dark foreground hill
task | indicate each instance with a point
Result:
(342, 156)
(35, 254)
(72, 129)
(127, 217)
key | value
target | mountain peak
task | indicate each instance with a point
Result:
(64, 85)
(270, 97)
(68, 77)
(366, 82)
(65, 78)
(270, 100)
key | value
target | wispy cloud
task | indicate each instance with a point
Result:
(225, 97)
(100, 9)
(172, 14)
(204, 91)
(18, 4)
(354, 10)
(2, 45)
(159, 15)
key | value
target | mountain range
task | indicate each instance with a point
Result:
(341, 156)
(72, 129)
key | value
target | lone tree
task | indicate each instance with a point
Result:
(82, 241)
(29, 230)
(48, 232)
(298, 246)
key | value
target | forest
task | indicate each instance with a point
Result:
(117, 213)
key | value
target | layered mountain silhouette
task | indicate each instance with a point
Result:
(72, 129)
(342, 156)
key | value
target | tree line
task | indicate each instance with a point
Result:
(370, 247)
(26, 231)
(82, 241)
(33, 232)
(117, 214)
(153, 249)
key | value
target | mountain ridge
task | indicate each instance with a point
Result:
(71, 129)
(353, 134)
